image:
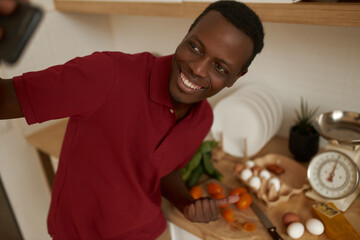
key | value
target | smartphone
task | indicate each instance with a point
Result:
(18, 29)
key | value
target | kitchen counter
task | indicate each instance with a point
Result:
(297, 203)
(48, 142)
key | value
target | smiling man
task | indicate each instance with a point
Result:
(134, 121)
(211, 56)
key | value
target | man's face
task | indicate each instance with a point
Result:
(208, 59)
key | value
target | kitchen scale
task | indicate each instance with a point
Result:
(334, 173)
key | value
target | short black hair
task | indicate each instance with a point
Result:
(243, 18)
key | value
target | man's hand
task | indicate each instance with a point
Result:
(6, 8)
(206, 209)
(201, 210)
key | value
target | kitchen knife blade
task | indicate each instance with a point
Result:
(266, 222)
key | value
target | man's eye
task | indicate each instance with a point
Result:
(194, 47)
(220, 68)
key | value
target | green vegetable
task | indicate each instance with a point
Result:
(200, 163)
(209, 168)
(217, 175)
(193, 163)
(195, 176)
(207, 146)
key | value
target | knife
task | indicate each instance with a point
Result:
(266, 222)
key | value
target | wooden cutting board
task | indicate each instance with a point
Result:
(222, 230)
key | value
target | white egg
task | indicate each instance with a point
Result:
(265, 174)
(276, 182)
(249, 163)
(295, 230)
(255, 182)
(314, 226)
(246, 174)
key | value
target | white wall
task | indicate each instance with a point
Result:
(320, 63)
(158, 35)
(59, 38)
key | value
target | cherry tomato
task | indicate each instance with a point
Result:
(244, 201)
(214, 188)
(249, 227)
(196, 192)
(228, 215)
(238, 191)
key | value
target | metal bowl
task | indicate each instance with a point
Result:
(338, 125)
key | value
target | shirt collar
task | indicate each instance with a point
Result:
(159, 80)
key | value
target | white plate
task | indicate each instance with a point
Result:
(237, 120)
(273, 100)
(219, 112)
(267, 112)
(272, 110)
(278, 107)
(267, 107)
(248, 98)
(264, 109)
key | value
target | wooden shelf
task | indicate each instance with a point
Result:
(333, 14)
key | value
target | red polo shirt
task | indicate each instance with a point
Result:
(122, 137)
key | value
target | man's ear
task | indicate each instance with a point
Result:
(237, 77)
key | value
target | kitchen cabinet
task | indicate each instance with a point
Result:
(318, 13)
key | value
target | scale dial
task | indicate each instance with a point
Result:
(333, 175)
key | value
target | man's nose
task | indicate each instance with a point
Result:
(200, 67)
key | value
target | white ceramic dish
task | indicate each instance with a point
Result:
(253, 112)
(273, 100)
(265, 111)
(259, 112)
(268, 112)
(238, 119)
(267, 105)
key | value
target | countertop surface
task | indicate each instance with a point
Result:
(297, 203)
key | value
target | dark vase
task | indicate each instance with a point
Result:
(303, 146)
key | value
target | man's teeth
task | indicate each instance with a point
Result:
(188, 83)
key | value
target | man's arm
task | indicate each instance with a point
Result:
(200, 210)
(9, 103)
(204, 209)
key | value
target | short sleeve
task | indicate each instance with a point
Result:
(75, 89)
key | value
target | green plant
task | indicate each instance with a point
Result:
(304, 118)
